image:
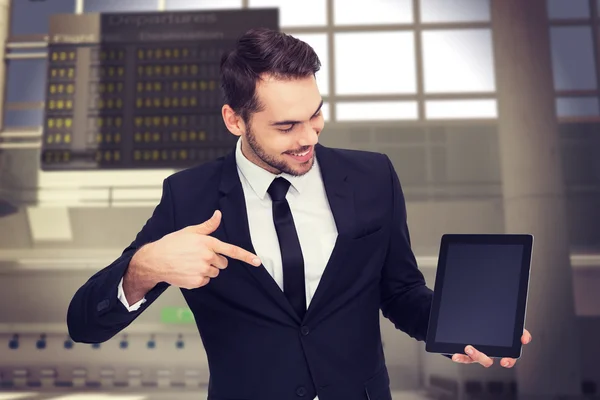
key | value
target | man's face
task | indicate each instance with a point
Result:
(281, 138)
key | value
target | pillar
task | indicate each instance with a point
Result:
(534, 197)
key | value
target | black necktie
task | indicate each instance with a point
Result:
(291, 253)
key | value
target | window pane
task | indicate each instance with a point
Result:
(26, 80)
(455, 10)
(325, 109)
(377, 110)
(100, 179)
(23, 118)
(319, 44)
(202, 4)
(296, 13)
(93, 6)
(560, 9)
(359, 12)
(577, 107)
(573, 58)
(375, 63)
(458, 61)
(31, 17)
(451, 109)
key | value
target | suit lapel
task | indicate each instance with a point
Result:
(340, 194)
(235, 222)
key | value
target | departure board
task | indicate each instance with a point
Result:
(139, 90)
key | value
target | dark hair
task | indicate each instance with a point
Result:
(257, 52)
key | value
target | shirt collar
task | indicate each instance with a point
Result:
(260, 179)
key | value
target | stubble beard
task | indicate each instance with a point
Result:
(280, 165)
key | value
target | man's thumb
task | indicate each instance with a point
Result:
(210, 225)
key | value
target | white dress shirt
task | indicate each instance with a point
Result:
(310, 209)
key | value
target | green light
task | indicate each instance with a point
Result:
(176, 315)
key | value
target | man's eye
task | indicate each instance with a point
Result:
(287, 130)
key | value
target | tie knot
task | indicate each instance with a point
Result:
(278, 189)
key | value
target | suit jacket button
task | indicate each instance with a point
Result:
(305, 330)
(301, 391)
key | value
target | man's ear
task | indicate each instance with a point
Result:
(233, 121)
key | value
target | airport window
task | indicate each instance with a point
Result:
(26, 80)
(366, 65)
(574, 44)
(375, 12)
(305, 13)
(377, 110)
(449, 11)
(318, 41)
(573, 62)
(171, 5)
(454, 53)
(577, 107)
(461, 109)
(23, 118)
(99, 6)
(32, 17)
(456, 61)
(561, 9)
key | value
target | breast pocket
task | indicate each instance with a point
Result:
(368, 250)
(368, 233)
(368, 245)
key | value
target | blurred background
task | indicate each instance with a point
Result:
(489, 110)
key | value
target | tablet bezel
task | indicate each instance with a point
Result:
(514, 351)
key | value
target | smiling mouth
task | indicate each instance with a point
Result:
(300, 154)
(302, 157)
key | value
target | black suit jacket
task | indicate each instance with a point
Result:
(257, 346)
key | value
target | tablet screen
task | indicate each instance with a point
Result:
(480, 294)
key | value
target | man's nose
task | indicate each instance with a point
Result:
(308, 136)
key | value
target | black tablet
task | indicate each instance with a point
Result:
(480, 294)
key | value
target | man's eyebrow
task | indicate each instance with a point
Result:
(289, 122)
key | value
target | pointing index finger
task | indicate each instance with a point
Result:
(233, 251)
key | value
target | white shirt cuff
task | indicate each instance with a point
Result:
(121, 296)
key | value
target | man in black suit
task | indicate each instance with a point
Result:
(284, 250)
